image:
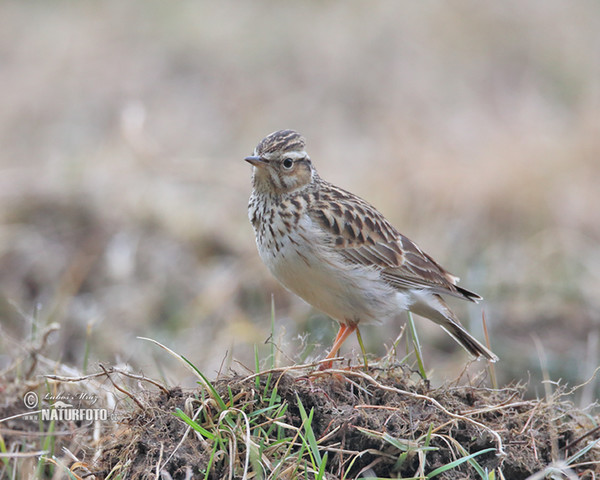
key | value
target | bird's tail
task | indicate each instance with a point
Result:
(434, 308)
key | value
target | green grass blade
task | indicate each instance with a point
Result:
(310, 435)
(321, 472)
(211, 390)
(274, 397)
(204, 381)
(428, 435)
(260, 411)
(201, 430)
(458, 462)
(581, 452)
(4, 459)
(256, 368)
(272, 332)
(416, 346)
(211, 460)
(87, 347)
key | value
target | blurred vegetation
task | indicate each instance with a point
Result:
(472, 126)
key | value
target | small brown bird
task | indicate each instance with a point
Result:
(340, 254)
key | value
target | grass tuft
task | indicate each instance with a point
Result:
(299, 422)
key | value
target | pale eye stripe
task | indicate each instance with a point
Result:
(295, 155)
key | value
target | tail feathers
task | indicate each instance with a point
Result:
(468, 295)
(468, 342)
(435, 309)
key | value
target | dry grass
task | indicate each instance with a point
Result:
(291, 422)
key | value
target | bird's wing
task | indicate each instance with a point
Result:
(364, 237)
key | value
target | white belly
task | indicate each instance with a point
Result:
(316, 273)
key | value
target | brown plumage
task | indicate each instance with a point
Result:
(338, 252)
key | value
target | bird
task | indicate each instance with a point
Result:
(339, 253)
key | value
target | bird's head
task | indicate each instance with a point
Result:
(281, 164)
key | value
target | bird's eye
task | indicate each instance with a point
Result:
(288, 163)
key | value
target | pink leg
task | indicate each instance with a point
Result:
(343, 333)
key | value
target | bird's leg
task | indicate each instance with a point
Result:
(343, 333)
(362, 347)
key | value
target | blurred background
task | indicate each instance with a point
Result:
(474, 127)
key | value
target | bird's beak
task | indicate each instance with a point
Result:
(256, 161)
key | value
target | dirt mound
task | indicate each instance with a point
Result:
(347, 424)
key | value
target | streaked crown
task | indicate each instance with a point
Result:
(281, 141)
